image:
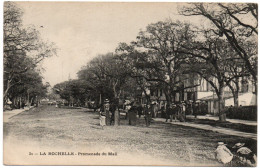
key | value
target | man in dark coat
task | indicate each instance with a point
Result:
(148, 115)
(112, 109)
(132, 115)
(196, 109)
(169, 112)
(139, 110)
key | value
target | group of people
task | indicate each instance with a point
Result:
(107, 113)
(137, 109)
(176, 111)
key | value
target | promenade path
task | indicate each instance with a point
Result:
(214, 129)
(10, 113)
(237, 121)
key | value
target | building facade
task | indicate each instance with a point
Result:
(201, 91)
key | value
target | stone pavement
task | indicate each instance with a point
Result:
(10, 113)
(211, 128)
(237, 121)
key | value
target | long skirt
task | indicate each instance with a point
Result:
(102, 120)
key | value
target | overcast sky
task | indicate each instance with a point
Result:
(82, 30)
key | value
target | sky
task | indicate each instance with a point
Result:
(82, 30)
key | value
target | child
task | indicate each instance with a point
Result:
(223, 154)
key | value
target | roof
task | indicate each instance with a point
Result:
(227, 95)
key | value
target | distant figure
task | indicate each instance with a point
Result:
(132, 115)
(102, 119)
(175, 112)
(223, 154)
(196, 109)
(106, 110)
(181, 114)
(184, 108)
(127, 108)
(245, 153)
(139, 110)
(169, 113)
(148, 115)
(112, 109)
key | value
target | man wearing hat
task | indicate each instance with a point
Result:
(147, 115)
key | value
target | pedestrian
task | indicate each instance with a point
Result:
(182, 112)
(127, 108)
(132, 114)
(196, 109)
(108, 113)
(112, 109)
(102, 119)
(163, 115)
(184, 108)
(139, 110)
(175, 110)
(168, 112)
(148, 115)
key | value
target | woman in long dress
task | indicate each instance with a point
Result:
(102, 119)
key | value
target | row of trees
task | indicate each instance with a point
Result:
(23, 51)
(168, 54)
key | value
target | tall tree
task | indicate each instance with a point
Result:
(156, 58)
(23, 47)
(215, 60)
(238, 23)
(106, 75)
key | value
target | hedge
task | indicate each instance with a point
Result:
(242, 112)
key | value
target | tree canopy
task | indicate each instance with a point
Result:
(23, 51)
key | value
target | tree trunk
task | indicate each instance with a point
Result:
(20, 102)
(31, 101)
(107, 117)
(222, 116)
(28, 99)
(8, 86)
(168, 96)
(117, 112)
(117, 117)
(235, 94)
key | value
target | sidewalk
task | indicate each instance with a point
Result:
(10, 113)
(211, 128)
(237, 121)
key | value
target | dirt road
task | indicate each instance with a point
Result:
(49, 130)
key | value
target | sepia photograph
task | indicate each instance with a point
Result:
(130, 83)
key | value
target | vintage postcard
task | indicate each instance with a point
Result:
(130, 83)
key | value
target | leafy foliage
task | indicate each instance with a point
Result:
(23, 51)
